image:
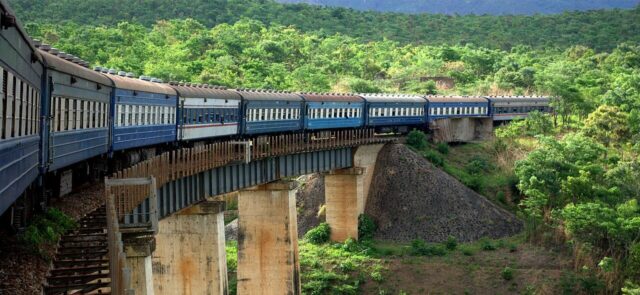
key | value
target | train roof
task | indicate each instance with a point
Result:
(200, 91)
(268, 95)
(141, 85)
(387, 97)
(4, 6)
(333, 97)
(517, 98)
(455, 98)
(62, 65)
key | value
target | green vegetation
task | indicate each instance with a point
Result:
(232, 266)
(601, 30)
(366, 227)
(451, 243)
(46, 230)
(337, 268)
(421, 248)
(319, 234)
(507, 273)
(250, 54)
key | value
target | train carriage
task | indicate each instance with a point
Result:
(333, 111)
(21, 68)
(144, 112)
(77, 108)
(506, 108)
(394, 112)
(270, 112)
(207, 111)
(440, 107)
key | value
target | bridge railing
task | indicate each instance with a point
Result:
(182, 163)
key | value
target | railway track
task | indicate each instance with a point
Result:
(81, 264)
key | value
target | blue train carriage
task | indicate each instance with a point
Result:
(394, 112)
(21, 69)
(444, 107)
(207, 111)
(333, 111)
(267, 112)
(144, 116)
(76, 129)
(507, 108)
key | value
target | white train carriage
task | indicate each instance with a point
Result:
(207, 111)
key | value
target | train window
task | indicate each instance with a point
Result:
(3, 100)
(65, 121)
(19, 110)
(71, 114)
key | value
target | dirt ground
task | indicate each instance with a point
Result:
(535, 271)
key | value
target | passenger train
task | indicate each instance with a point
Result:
(62, 123)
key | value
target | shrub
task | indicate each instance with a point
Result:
(420, 247)
(633, 262)
(319, 234)
(417, 140)
(473, 182)
(507, 273)
(366, 227)
(501, 197)
(434, 158)
(487, 245)
(47, 229)
(443, 148)
(478, 165)
(466, 251)
(451, 243)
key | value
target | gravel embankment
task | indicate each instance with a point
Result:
(411, 199)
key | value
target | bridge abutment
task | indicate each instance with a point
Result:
(268, 260)
(346, 192)
(190, 256)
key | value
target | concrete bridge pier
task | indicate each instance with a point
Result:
(190, 256)
(268, 260)
(138, 251)
(346, 193)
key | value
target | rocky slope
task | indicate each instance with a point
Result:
(411, 199)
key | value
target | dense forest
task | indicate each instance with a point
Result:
(600, 30)
(494, 7)
(578, 183)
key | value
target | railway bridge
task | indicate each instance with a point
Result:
(166, 232)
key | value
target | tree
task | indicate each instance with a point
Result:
(608, 125)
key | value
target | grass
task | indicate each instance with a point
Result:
(46, 230)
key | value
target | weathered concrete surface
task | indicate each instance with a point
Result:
(366, 157)
(461, 129)
(138, 252)
(267, 240)
(344, 199)
(346, 193)
(190, 255)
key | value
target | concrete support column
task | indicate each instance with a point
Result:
(344, 197)
(268, 260)
(138, 252)
(346, 192)
(190, 256)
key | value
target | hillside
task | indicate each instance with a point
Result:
(495, 7)
(601, 30)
